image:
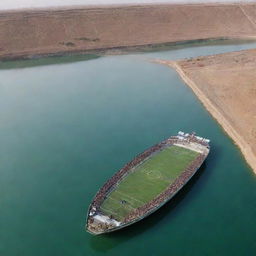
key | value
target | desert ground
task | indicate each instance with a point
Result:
(226, 85)
(31, 33)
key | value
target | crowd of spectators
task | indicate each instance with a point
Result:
(174, 187)
(100, 196)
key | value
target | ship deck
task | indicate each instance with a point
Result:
(147, 180)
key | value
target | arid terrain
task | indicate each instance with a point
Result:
(226, 85)
(30, 33)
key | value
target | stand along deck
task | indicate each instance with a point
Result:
(146, 183)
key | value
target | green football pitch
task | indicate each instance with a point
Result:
(147, 180)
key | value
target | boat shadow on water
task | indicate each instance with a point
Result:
(106, 242)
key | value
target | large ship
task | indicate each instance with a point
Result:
(146, 183)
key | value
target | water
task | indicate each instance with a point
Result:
(66, 128)
(13, 4)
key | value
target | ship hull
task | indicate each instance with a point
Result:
(149, 213)
(100, 223)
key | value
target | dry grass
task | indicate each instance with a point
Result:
(25, 33)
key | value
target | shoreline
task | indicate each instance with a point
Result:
(125, 49)
(216, 114)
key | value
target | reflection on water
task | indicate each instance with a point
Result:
(165, 51)
(45, 61)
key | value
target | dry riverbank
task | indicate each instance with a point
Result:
(32, 33)
(226, 85)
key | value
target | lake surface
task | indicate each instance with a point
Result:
(67, 127)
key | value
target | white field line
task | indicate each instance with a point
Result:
(113, 199)
(108, 211)
(114, 212)
(131, 198)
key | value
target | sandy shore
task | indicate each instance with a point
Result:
(226, 85)
(32, 33)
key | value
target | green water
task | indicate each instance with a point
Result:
(66, 128)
